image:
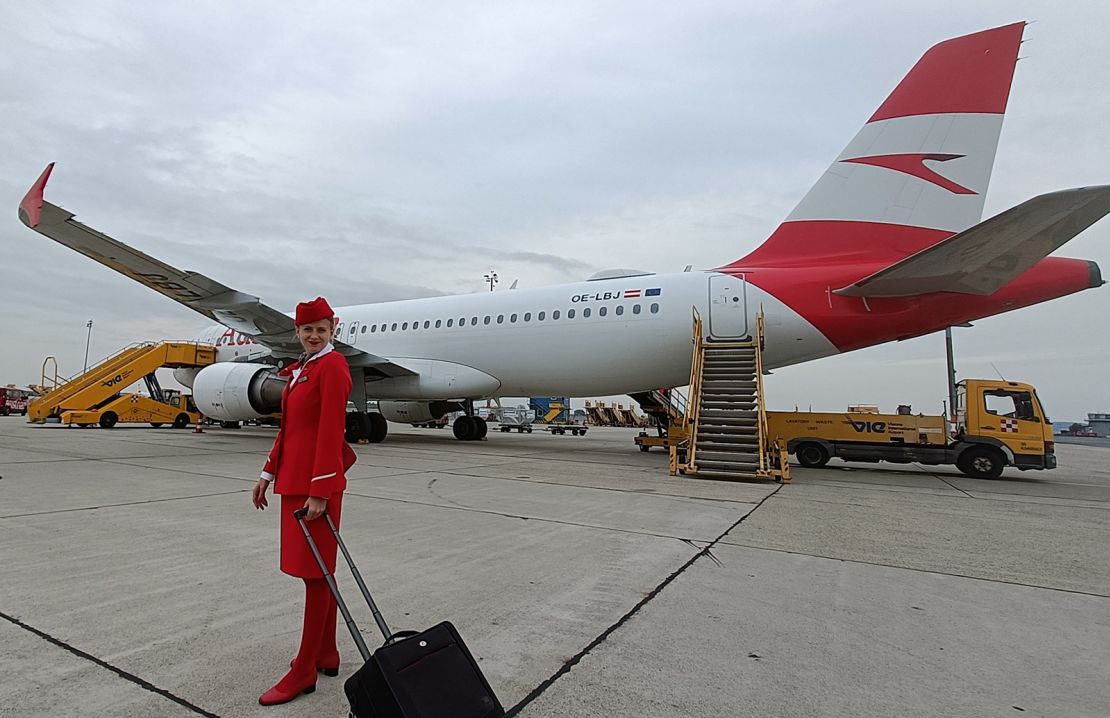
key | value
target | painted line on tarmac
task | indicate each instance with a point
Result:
(145, 685)
(521, 517)
(127, 503)
(577, 658)
(918, 570)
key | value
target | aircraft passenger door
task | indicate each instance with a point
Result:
(350, 334)
(728, 307)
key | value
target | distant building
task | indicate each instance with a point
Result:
(1100, 423)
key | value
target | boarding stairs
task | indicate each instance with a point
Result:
(100, 384)
(726, 421)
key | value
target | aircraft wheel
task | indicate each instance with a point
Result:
(379, 427)
(181, 421)
(811, 455)
(465, 429)
(108, 419)
(483, 427)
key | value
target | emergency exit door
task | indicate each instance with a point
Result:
(728, 307)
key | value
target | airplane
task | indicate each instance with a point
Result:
(887, 245)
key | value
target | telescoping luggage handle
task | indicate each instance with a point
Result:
(389, 637)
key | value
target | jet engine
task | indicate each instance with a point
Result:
(232, 391)
(413, 412)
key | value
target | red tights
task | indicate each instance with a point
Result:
(318, 647)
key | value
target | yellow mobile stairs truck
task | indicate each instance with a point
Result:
(997, 424)
(95, 396)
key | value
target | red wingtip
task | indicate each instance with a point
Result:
(30, 208)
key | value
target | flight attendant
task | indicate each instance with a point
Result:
(307, 468)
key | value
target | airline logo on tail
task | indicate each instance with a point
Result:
(913, 164)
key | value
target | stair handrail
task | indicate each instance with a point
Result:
(693, 404)
(760, 403)
(56, 379)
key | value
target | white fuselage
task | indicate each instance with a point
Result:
(600, 337)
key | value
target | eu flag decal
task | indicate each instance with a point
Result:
(652, 292)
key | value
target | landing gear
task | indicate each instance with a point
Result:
(362, 426)
(470, 428)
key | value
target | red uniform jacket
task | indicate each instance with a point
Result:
(310, 456)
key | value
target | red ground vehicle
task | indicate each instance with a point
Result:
(13, 401)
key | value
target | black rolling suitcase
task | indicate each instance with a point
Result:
(426, 674)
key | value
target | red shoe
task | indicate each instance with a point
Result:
(276, 695)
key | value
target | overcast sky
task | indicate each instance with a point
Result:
(379, 151)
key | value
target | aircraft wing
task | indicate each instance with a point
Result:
(986, 257)
(244, 313)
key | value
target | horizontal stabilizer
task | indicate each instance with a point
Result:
(986, 257)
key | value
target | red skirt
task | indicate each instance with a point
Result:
(296, 556)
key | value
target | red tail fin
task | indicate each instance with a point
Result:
(917, 172)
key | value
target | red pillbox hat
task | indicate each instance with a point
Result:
(314, 311)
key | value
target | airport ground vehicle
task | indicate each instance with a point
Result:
(998, 424)
(13, 400)
(519, 418)
(176, 409)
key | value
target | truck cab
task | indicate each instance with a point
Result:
(1002, 421)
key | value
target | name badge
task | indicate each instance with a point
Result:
(302, 380)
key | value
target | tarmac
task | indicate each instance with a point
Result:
(138, 580)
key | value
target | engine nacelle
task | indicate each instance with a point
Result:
(413, 412)
(232, 391)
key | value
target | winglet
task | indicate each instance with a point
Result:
(30, 208)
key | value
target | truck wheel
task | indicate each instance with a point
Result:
(108, 419)
(644, 448)
(528, 430)
(181, 421)
(980, 462)
(811, 455)
(505, 429)
(156, 424)
(5, 411)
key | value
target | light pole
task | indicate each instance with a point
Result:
(88, 337)
(491, 279)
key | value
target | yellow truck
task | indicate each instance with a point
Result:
(998, 424)
(177, 410)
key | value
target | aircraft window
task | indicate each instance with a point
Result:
(427, 324)
(373, 328)
(486, 320)
(620, 309)
(528, 316)
(540, 316)
(473, 321)
(602, 311)
(404, 326)
(462, 321)
(439, 323)
(363, 330)
(555, 314)
(586, 312)
(394, 327)
(635, 308)
(500, 318)
(512, 319)
(415, 326)
(654, 308)
(450, 323)
(570, 314)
